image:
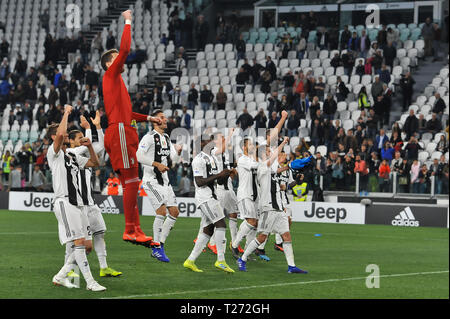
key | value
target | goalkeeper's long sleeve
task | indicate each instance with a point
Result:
(300, 163)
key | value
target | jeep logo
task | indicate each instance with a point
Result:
(329, 213)
(38, 202)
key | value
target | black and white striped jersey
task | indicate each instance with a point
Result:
(285, 178)
(270, 197)
(222, 160)
(204, 166)
(85, 175)
(65, 168)
(157, 147)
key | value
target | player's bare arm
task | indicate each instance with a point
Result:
(202, 181)
(274, 156)
(161, 167)
(277, 129)
(61, 132)
(93, 160)
(96, 120)
(84, 123)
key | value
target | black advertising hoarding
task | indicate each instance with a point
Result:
(4, 200)
(113, 204)
(407, 215)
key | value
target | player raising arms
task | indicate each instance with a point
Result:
(247, 195)
(273, 218)
(206, 176)
(93, 212)
(73, 224)
(153, 153)
(121, 139)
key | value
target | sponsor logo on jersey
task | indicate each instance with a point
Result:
(405, 218)
(164, 152)
(108, 206)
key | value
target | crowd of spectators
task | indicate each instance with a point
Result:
(365, 148)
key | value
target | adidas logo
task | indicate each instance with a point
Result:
(109, 207)
(405, 218)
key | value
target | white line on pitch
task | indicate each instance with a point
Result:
(273, 285)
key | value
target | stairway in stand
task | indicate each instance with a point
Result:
(163, 75)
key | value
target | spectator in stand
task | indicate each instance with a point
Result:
(363, 44)
(444, 164)
(433, 125)
(322, 38)
(387, 103)
(360, 69)
(180, 64)
(185, 119)
(384, 173)
(177, 95)
(317, 133)
(363, 100)
(313, 108)
(345, 37)
(361, 168)
(155, 99)
(293, 124)
(349, 173)
(439, 106)
(274, 119)
(424, 180)
(427, 34)
(338, 173)
(392, 37)
(377, 88)
(329, 107)
(436, 42)
(377, 61)
(407, 84)
(38, 180)
(244, 120)
(240, 47)
(260, 121)
(4, 49)
(442, 145)
(201, 32)
(436, 171)
(206, 98)
(110, 41)
(352, 44)
(192, 97)
(301, 47)
(274, 103)
(389, 53)
(412, 149)
(411, 126)
(350, 141)
(414, 176)
(221, 99)
(320, 89)
(255, 70)
(381, 139)
(385, 75)
(422, 124)
(387, 152)
(241, 80)
(271, 67)
(341, 90)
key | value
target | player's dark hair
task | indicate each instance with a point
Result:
(51, 130)
(73, 134)
(106, 57)
(214, 135)
(156, 112)
(245, 141)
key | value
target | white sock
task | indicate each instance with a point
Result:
(233, 228)
(157, 228)
(212, 240)
(201, 242)
(250, 237)
(263, 244)
(289, 253)
(167, 227)
(250, 249)
(100, 249)
(68, 266)
(278, 239)
(70, 246)
(83, 264)
(221, 243)
(244, 229)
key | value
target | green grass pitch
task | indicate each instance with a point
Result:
(413, 263)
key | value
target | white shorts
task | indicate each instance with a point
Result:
(273, 222)
(73, 223)
(160, 195)
(247, 209)
(95, 219)
(211, 212)
(228, 200)
(288, 211)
